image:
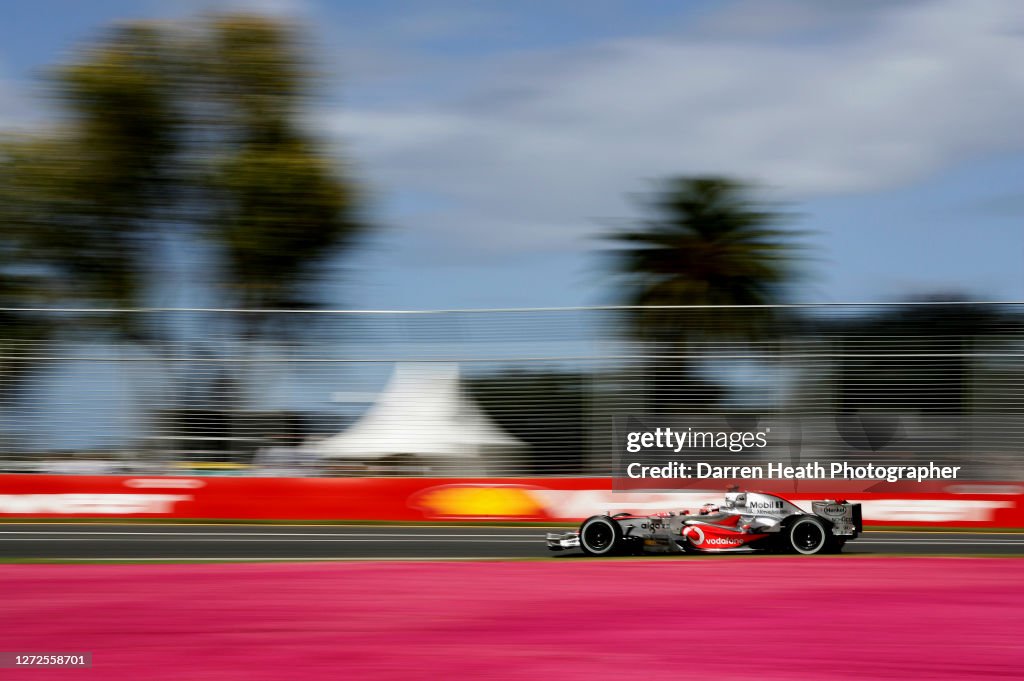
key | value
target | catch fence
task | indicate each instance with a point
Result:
(520, 392)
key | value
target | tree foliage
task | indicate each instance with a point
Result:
(707, 242)
(183, 133)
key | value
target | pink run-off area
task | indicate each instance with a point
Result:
(706, 618)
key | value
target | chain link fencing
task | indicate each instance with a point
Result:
(524, 392)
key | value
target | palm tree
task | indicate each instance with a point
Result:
(707, 243)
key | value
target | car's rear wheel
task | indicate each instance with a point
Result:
(807, 535)
(600, 536)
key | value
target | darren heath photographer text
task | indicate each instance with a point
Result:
(809, 471)
(736, 441)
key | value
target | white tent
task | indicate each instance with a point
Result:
(423, 413)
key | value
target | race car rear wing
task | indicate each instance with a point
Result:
(845, 517)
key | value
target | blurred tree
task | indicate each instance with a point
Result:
(278, 207)
(182, 137)
(916, 358)
(86, 198)
(707, 243)
(187, 133)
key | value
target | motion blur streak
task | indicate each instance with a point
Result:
(827, 618)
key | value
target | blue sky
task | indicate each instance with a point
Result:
(496, 139)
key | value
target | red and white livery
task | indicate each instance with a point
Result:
(746, 522)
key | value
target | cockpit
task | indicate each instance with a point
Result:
(735, 499)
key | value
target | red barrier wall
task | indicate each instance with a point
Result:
(960, 504)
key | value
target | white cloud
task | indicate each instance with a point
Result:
(550, 141)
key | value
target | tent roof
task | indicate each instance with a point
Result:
(422, 411)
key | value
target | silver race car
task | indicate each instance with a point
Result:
(747, 522)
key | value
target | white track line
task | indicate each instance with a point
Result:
(300, 541)
(387, 537)
(406, 540)
(858, 542)
(271, 534)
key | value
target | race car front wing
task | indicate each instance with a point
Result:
(560, 541)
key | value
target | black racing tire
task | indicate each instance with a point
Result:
(601, 535)
(835, 544)
(807, 535)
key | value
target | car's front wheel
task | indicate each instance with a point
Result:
(600, 536)
(807, 535)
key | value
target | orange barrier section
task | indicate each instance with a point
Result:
(962, 504)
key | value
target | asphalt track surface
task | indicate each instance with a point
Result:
(366, 542)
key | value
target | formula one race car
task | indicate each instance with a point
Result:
(749, 521)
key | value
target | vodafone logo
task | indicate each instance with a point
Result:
(723, 541)
(694, 534)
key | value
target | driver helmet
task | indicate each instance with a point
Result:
(708, 508)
